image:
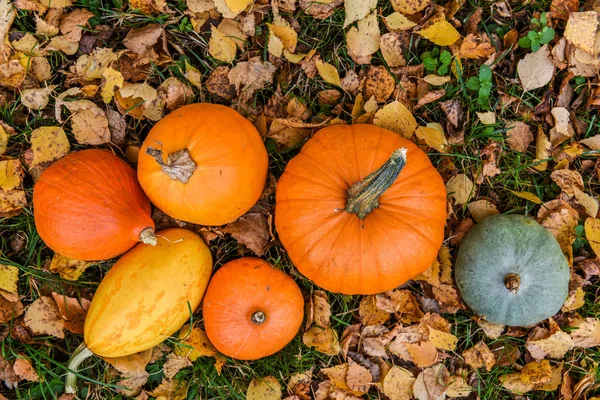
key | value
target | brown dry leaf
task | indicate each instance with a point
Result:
(460, 188)
(131, 365)
(481, 209)
(9, 276)
(328, 72)
(436, 80)
(432, 137)
(582, 30)
(441, 33)
(555, 345)
(398, 22)
(321, 310)
(43, 28)
(587, 333)
(73, 311)
(173, 93)
(398, 383)
(36, 99)
(431, 383)
(323, 340)
(423, 354)
(43, 318)
(68, 268)
(250, 76)
(93, 66)
(513, 383)
(588, 202)
(251, 230)
(320, 9)
(448, 298)
(12, 74)
(402, 302)
(9, 309)
(171, 389)
(357, 10)
(141, 40)
(139, 100)
(7, 16)
(379, 83)
(7, 374)
(267, 388)
(391, 47)
(487, 118)
(537, 372)
(519, 136)
(195, 344)
(562, 223)
(90, 125)
(150, 7)
(174, 364)
(556, 380)
(410, 7)
(536, 70)
(567, 180)
(397, 118)
(474, 47)
(3, 140)
(575, 300)
(218, 83)
(363, 40)
(458, 386)
(24, 370)
(562, 9)
(195, 77)
(480, 356)
(358, 378)
(592, 142)
(221, 47)
(290, 132)
(370, 314)
(430, 97)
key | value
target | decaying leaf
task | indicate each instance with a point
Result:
(251, 230)
(24, 370)
(267, 388)
(460, 188)
(397, 118)
(555, 344)
(410, 7)
(73, 311)
(324, 340)
(174, 364)
(357, 10)
(221, 47)
(379, 84)
(398, 384)
(370, 314)
(519, 136)
(43, 318)
(250, 76)
(36, 99)
(68, 268)
(536, 69)
(561, 222)
(586, 333)
(402, 302)
(480, 356)
(9, 309)
(363, 40)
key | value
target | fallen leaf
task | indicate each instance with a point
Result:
(436, 80)
(9, 309)
(448, 298)
(379, 83)
(250, 76)
(592, 142)
(556, 345)
(473, 47)
(112, 79)
(398, 383)
(172, 389)
(562, 9)
(289, 133)
(562, 129)
(586, 333)
(458, 386)
(536, 69)
(481, 209)
(537, 372)
(68, 268)
(9, 277)
(267, 388)
(575, 300)
(460, 188)
(323, 340)
(24, 370)
(441, 33)
(36, 99)
(423, 354)
(513, 383)
(221, 47)
(329, 73)
(251, 230)
(480, 356)
(194, 344)
(358, 378)
(131, 365)
(581, 31)
(321, 9)
(7, 16)
(397, 118)
(430, 383)
(562, 223)
(43, 318)
(233, 30)
(442, 340)
(363, 40)
(567, 180)
(555, 381)
(410, 7)
(527, 196)
(173, 93)
(430, 97)
(519, 136)
(487, 118)
(73, 311)
(174, 364)
(432, 137)
(391, 47)
(7, 374)
(398, 22)
(321, 310)
(90, 125)
(357, 10)
(369, 313)
(402, 302)
(141, 40)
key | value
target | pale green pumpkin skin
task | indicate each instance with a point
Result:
(503, 244)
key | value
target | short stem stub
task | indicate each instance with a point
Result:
(512, 282)
(363, 196)
(80, 354)
(258, 317)
(179, 165)
(147, 236)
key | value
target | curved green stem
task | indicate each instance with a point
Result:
(80, 354)
(363, 196)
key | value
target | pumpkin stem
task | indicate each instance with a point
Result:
(147, 236)
(79, 355)
(258, 317)
(179, 165)
(512, 282)
(363, 196)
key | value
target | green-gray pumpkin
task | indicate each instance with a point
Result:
(511, 270)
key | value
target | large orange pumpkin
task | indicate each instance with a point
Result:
(89, 206)
(203, 163)
(356, 213)
(251, 310)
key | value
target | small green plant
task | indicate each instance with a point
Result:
(436, 62)
(542, 34)
(481, 84)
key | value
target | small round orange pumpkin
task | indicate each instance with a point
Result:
(203, 163)
(89, 206)
(251, 310)
(360, 210)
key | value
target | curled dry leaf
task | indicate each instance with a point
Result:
(567, 180)
(363, 40)
(173, 93)
(251, 230)
(7, 16)
(73, 311)
(555, 344)
(358, 378)
(513, 383)
(24, 370)
(480, 356)
(68, 268)
(320, 9)
(475, 47)
(397, 118)
(586, 333)
(141, 40)
(430, 383)
(250, 76)
(536, 69)
(460, 188)
(43, 318)
(562, 129)
(267, 388)
(402, 302)
(321, 309)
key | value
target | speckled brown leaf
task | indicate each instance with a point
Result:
(323, 340)
(480, 356)
(398, 383)
(9, 309)
(267, 388)
(513, 383)
(73, 311)
(402, 302)
(519, 136)
(586, 332)
(320, 9)
(537, 372)
(43, 318)
(141, 40)
(24, 370)
(174, 364)
(370, 314)
(562, 223)
(7, 374)
(410, 7)
(36, 99)
(392, 49)
(474, 47)
(250, 76)
(378, 83)
(430, 383)
(7, 16)
(68, 268)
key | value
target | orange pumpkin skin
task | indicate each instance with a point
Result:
(231, 164)
(90, 206)
(335, 248)
(236, 292)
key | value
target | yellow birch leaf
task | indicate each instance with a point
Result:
(328, 73)
(441, 33)
(442, 340)
(11, 174)
(398, 22)
(592, 233)
(396, 117)
(527, 196)
(221, 47)
(433, 137)
(113, 78)
(9, 276)
(267, 388)
(48, 143)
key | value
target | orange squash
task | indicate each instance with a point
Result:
(90, 206)
(360, 210)
(251, 310)
(203, 163)
(145, 297)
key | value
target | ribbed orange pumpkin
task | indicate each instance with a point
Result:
(203, 163)
(251, 310)
(89, 206)
(356, 213)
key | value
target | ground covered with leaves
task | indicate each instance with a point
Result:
(503, 96)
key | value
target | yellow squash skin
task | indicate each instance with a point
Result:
(144, 297)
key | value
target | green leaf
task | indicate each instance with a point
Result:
(535, 21)
(532, 35)
(430, 64)
(543, 19)
(435, 52)
(473, 83)
(525, 42)
(535, 46)
(547, 35)
(485, 73)
(442, 70)
(446, 58)
(426, 54)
